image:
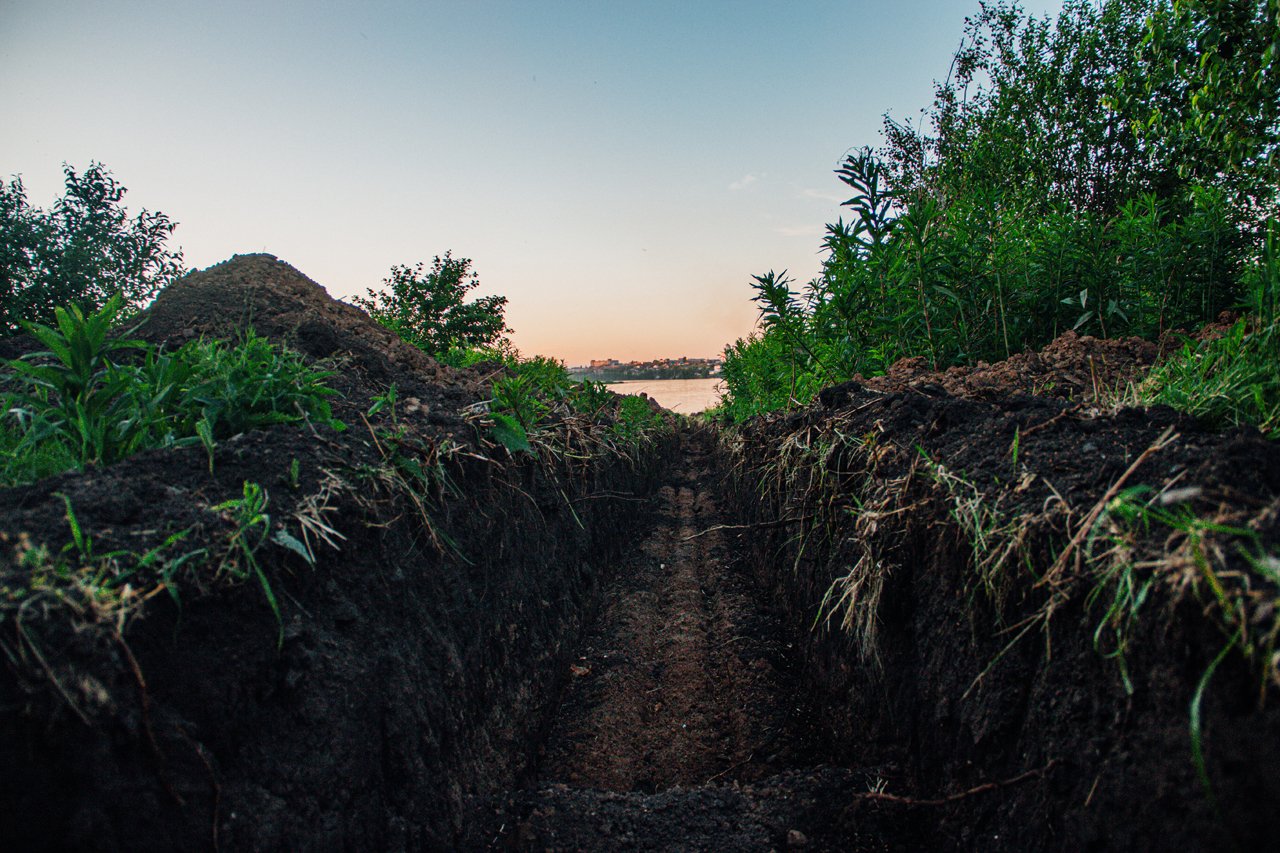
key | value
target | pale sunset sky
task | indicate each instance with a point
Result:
(618, 170)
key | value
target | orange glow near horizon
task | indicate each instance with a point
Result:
(618, 171)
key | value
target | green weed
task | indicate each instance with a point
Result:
(93, 399)
(251, 526)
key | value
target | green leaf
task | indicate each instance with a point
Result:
(285, 539)
(507, 431)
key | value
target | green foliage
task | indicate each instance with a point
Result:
(591, 398)
(761, 373)
(1029, 112)
(246, 385)
(508, 431)
(536, 394)
(1049, 192)
(26, 461)
(521, 397)
(84, 250)
(251, 525)
(636, 419)
(426, 308)
(1221, 61)
(1232, 379)
(75, 394)
(526, 397)
(92, 399)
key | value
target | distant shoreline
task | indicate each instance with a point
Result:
(627, 374)
(685, 396)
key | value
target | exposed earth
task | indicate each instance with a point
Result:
(684, 710)
(882, 622)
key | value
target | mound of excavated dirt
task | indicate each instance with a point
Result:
(1073, 367)
(278, 302)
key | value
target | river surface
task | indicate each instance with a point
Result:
(685, 396)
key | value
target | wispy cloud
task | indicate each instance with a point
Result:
(744, 182)
(800, 230)
(823, 195)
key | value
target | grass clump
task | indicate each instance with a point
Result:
(250, 527)
(1233, 379)
(1216, 555)
(90, 398)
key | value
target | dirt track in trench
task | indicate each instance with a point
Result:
(682, 726)
(683, 681)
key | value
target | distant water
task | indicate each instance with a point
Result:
(685, 396)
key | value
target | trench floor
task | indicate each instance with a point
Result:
(682, 726)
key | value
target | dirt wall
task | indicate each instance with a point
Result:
(418, 648)
(940, 562)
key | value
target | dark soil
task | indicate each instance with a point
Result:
(414, 664)
(586, 651)
(684, 721)
(970, 685)
(685, 678)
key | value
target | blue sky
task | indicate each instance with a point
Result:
(617, 170)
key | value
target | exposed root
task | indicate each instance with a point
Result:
(985, 787)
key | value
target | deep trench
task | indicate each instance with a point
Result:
(508, 654)
(684, 722)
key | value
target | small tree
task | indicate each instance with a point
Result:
(426, 307)
(82, 251)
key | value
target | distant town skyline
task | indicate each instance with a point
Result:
(618, 171)
(680, 367)
(605, 362)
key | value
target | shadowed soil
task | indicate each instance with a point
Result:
(684, 680)
(682, 726)
(809, 632)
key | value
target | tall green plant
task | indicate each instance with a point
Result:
(92, 398)
(75, 392)
(1040, 195)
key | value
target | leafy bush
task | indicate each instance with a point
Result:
(83, 250)
(92, 399)
(1050, 192)
(426, 308)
